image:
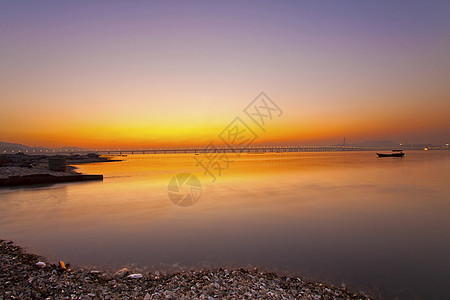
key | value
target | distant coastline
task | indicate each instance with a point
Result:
(376, 145)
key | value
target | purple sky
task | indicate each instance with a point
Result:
(146, 71)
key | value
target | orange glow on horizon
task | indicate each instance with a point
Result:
(287, 131)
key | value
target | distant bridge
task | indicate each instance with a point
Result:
(230, 150)
(269, 149)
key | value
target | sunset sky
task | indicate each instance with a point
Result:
(173, 73)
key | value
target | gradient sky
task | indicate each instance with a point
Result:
(161, 73)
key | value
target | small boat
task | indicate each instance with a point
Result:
(395, 153)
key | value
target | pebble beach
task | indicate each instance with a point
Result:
(29, 276)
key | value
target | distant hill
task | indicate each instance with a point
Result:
(10, 147)
(382, 143)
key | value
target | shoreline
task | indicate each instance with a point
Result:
(21, 169)
(29, 276)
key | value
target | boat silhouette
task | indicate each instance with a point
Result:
(395, 153)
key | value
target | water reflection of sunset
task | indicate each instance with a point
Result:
(286, 211)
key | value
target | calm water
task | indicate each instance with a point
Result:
(378, 224)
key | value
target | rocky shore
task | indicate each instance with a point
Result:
(28, 276)
(21, 164)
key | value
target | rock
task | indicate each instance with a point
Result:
(121, 273)
(40, 264)
(135, 276)
(62, 265)
(147, 296)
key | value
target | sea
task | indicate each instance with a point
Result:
(380, 225)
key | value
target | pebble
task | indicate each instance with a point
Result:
(121, 273)
(40, 264)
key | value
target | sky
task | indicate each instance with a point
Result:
(108, 74)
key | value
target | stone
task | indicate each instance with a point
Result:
(121, 273)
